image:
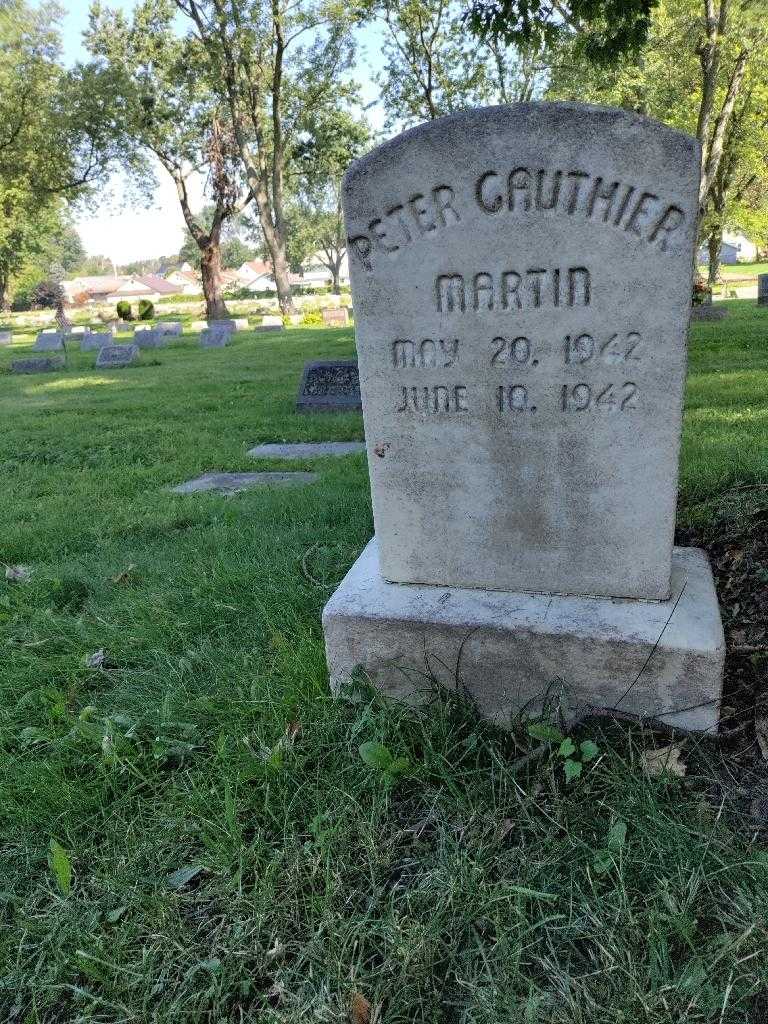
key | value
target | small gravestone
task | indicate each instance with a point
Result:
(522, 286)
(307, 450)
(6, 336)
(270, 323)
(232, 483)
(43, 365)
(125, 327)
(79, 330)
(241, 324)
(155, 338)
(213, 337)
(198, 325)
(112, 357)
(329, 387)
(172, 328)
(762, 289)
(94, 341)
(336, 317)
(49, 341)
(708, 312)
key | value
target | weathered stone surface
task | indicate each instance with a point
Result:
(762, 289)
(115, 356)
(270, 323)
(94, 342)
(49, 341)
(231, 483)
(507, 649)
(307, 450)
(156, 338)
(125, 326)
(241, 323)
(42, 365)
(80, 329)
(198, 325)
(336, 317)
(331, 386)
(522, 281)
(706, 312)
(173, 328)
(212, 338)
(6, 337)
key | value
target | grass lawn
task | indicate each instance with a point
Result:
(189, 831)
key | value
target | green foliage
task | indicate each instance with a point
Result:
(60, 864)
(573, 757)
(47, 295)
(379, 757)
(605, 30)
(146, 309)
(124, 310)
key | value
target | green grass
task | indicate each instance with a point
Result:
(471, 889)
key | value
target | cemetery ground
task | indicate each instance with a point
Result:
(193, 829)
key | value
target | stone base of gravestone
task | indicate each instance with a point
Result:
(42, 365)
(329, 387)
(706, 312)
(511, 651)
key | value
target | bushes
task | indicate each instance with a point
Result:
(146, 309)
(124, 311)
(312, 318)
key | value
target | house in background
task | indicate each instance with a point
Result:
(736, 248)
(186, 280)
(256, 276)
(96, 289)
(146, 286)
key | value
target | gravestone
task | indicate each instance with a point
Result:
(215, 337)
(329, 386)
(125, 326)
(6, 336)
(336, 317)
(762, 289)
(233, 483)
(49, 341)
(709, 312)
(522, 285)
(172, 328)
(94, 341)
(307, 450)
(42, 365)
(241, 324)
(156, 338)
(79, 330)
(112, 357)
(198, 325)
(270, 323)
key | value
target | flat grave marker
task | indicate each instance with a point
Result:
(270, 323)
(307, 450)
(522, 281)
(336, 317)
(42, 365)
(233, 483)
(329, 386)
(113, 357)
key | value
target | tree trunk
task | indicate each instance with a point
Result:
(714, 242)
(335, 271)
(210, 268)
(4, 303)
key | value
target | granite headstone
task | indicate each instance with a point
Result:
(113, 357)
(329, 386)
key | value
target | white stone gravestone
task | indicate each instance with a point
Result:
(522, 283)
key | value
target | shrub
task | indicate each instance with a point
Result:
(312, 318)
(146, 309)
(124, 311)
(47, 295)
(702, 293)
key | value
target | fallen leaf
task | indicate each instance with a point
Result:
(360, 1009)
(663, 759)
(178, 879)
(97, 659)
(761, 732)
(17, 573)
(292, 731)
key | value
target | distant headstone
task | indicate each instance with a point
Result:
(172, 328)
(336, 317)
(222, 325)
(42, 365)
(198, 325)
(307, 450)
(79, 330)
(5, 337)
(231, 483)
(522, 285)
(114, 356)
(708, 312)
(762, 289)
(213, 338)
(241, 323)
(49, 341)
(270, 323)
(329, 387)
(156, 338)
(125, 326)
(95, 341)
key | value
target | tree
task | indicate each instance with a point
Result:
(55, 140)
(271, 62)
(234, 251)
(166, 108)
(433, 66)
(317, 221)
(604, 31)
(701, 59)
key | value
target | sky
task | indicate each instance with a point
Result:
(114, 228)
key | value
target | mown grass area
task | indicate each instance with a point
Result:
(232, 856)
